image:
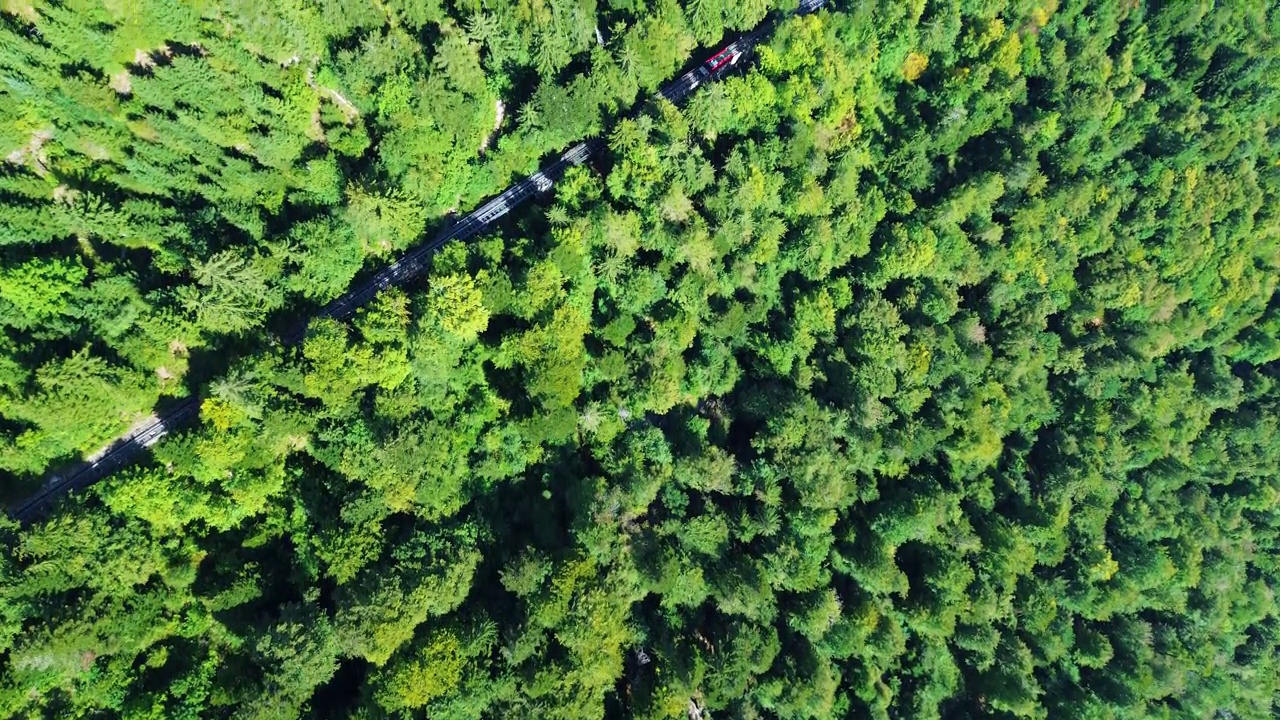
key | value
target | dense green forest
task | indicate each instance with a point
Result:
(929, 367)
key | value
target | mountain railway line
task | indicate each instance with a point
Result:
(404, 270)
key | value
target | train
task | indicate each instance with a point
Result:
(412, 265)
(715, 67)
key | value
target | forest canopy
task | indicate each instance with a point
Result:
(923, 366)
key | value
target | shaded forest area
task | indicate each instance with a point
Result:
(926, 369)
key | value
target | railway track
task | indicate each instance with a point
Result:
(408, 268)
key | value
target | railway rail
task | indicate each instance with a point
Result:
(409, 267)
